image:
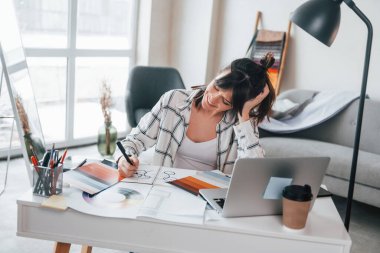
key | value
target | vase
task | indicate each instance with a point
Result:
(107, 136)
(34, 146)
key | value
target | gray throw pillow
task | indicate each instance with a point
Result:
(287, 107)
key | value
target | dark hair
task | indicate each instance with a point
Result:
(248, 79)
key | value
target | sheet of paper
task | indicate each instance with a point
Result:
(122, 200)
(275, 187)
(173, 204)
(145, 174)
(167, 174)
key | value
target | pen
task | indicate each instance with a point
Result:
(120, 146)
(56, 160)
(45, 159)
(37, 186)
(34, 160)
(63, 156)
(33, 152)
(51, 160)
(82, 163)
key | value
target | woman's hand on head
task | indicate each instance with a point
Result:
(252, 103)
(125, 169)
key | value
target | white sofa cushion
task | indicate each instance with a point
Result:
(368, 168)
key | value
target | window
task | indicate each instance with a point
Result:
(71, 48)
(88, 73)
(6, 119)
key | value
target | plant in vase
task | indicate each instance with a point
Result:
(107, 134)
(33, 144)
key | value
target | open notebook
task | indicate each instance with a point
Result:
(95, 177)
(145, 195)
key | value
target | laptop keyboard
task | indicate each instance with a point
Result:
(220, 202)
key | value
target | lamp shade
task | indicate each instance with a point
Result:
(319, 18)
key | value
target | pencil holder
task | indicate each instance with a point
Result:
(47, 181)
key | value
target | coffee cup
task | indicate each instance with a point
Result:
(296, 200)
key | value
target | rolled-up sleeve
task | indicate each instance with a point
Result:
(145, 134)
(248, 144)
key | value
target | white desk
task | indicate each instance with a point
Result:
(324, 231)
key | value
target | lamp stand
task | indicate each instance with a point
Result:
(350, 194)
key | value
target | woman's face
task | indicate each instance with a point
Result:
(216, 100)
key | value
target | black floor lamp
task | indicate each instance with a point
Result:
(321, 19)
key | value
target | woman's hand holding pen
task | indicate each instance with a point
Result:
(125, 168)
(127, 165)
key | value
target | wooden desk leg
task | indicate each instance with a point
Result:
(86, 249)
(61, 247)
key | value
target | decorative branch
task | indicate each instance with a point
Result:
(22, 114)
(106, 101)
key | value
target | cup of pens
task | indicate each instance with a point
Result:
(47, 181)
(48, 175)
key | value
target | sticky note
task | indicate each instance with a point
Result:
(275, 187)
(57, 202)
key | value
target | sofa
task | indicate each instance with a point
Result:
(334, 138)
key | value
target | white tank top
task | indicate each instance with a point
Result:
(196, 155)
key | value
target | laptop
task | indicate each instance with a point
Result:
(257, 183)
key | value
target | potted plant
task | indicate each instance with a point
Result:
(107, 134)
(33, 144)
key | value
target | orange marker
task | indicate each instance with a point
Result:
(34, 160)
(63, 156)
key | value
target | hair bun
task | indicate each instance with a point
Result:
(243, 64)
(267, 61)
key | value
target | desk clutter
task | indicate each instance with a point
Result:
(47, 181)
(96, 189)
(172, 194)
(48, 173)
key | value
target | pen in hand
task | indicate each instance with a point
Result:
(120, 146)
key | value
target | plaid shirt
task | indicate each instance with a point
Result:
(166, 124)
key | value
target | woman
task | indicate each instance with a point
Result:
(207, 128)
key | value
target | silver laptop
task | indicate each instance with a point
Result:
(257, 183)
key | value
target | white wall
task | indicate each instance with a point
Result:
(176, 33)
(191, 29)
(199, 37)
(154, 31)
(310, 64)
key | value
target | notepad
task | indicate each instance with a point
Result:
(56, 202)
(192, 184)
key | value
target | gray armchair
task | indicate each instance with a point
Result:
(145, 87)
